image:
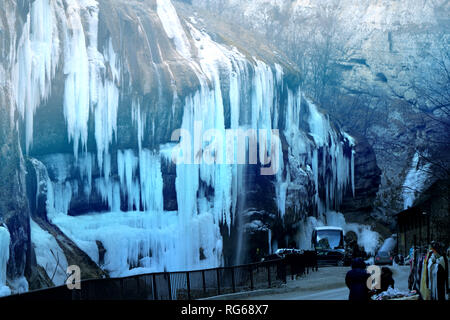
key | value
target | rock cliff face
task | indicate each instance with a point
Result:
(387, 58)
(14, 211)
(107, 100)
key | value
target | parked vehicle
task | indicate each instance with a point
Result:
(384, 257)
(328, 242)
(282, 253)
(272, 257)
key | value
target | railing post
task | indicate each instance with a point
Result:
(292, 269)
(268, 275)
(169, 285)
(121, 288)
(232, 279)
(138, 289)
(155, 291)
(252, 286)
(204, 281)
(188, 285)
(218, 281)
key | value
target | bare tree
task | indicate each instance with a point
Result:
(431, 86)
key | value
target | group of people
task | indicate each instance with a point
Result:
(356, 281)
(429, 275)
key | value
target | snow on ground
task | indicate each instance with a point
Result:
(142, 242)
(48, 254)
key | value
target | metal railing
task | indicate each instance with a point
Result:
(184, 285)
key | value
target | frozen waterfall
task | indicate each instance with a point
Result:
(236, 93)
(415, 181)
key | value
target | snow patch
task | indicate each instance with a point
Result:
(367, 238)
(49, 255)
(173, 28)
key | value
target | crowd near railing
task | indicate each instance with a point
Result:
(186, 285)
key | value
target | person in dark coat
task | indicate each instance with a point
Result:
(356, 281)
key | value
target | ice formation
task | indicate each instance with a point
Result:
(414, 181)
(4, 257)
(87, 86)
(37, 58)
(325, 140)
(250, 91)
(172, 26)
(151, 241)
(18, 285)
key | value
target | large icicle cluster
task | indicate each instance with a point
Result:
(231, 84)
(37, 58)
(88, 86)
(340, 175)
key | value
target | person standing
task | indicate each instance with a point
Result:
(356, 281)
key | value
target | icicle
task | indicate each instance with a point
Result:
(138, 120)
(353, 172)
(106, 104)
(60, 191)
(85, 163)
(88, 86)
(4, 257)
(37, 58)
(127, 164)
(76, 69)
(110, 193)
(151, 182)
